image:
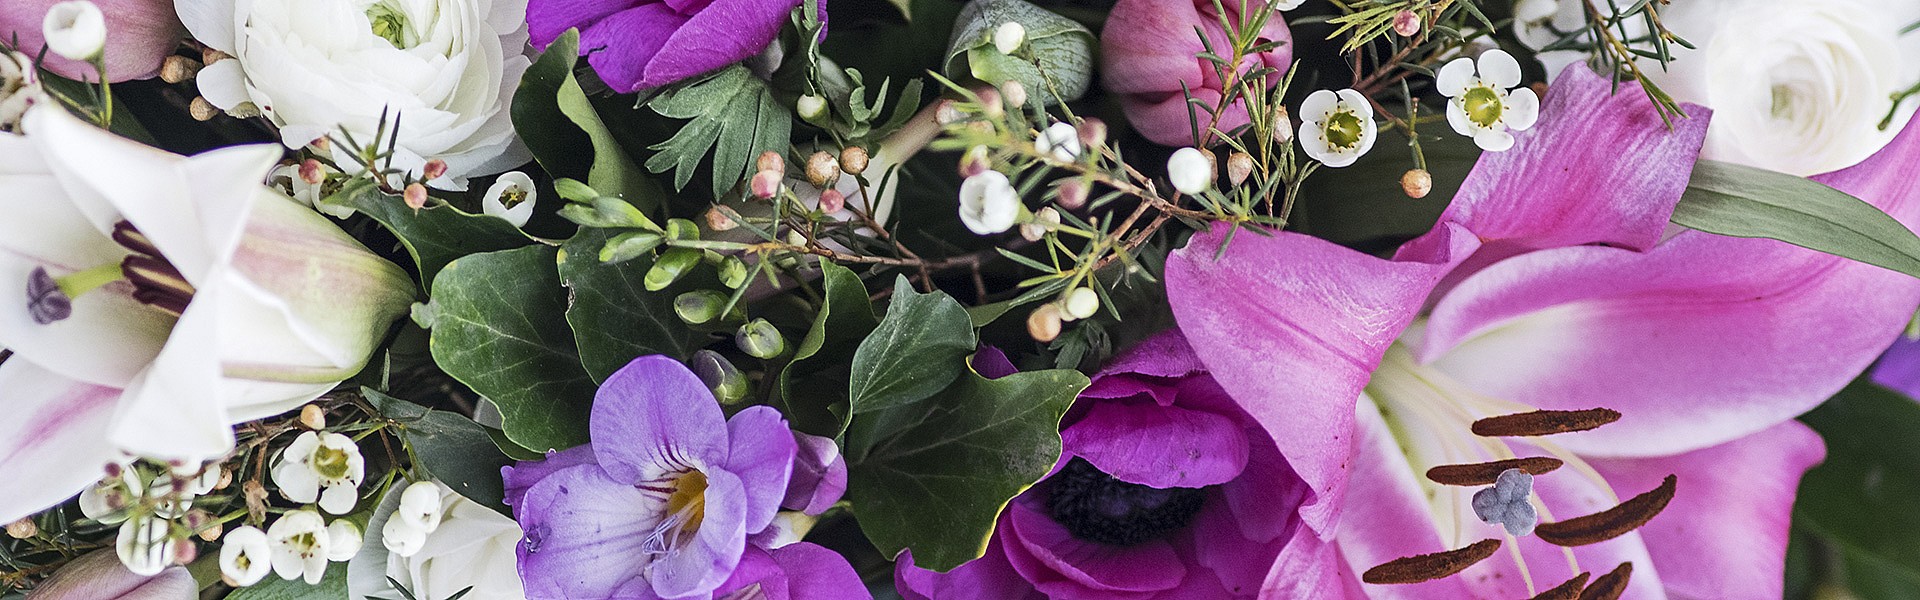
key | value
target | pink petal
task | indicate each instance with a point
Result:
(1192, 448)
(98, 575)
(1725, 533)
(547, 19)
(54, 442)
(140, 33)
(725, 32)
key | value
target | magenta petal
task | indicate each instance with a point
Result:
(762, 457)
(584, 534)
(622, 45)
(1386, 515)
(1725, 533)
(1063, 566)
(1293, 327)
(523, 475)
(1899, 368)
(547, 19)
(819, 475)
(655, 415)
(1158, 446)
(816, 573)
(989, 577)
(141, 33)
(699, 566)
(1166, 355)
(726, 32)
(991, 363)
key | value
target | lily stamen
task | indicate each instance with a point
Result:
(1611, 585)
(1428, 567)
(1544, 422)
(1610, 523)
(1487, 472)
(1568, 590)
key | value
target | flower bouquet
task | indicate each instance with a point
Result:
(959, 299)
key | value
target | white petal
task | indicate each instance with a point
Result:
(1522, 109)
(168, 412)
(1493, 140)
(108, 339)
(1358, 103)
(1189, 171)
(1453, 78)
(1499, 68)
(297, 482)
(210, 21)
(223, 84)
(1457, 117)
(1318, 104)
(343, 540)
(1369, 132)
(401, 538)
(493, 203)
(52, 443)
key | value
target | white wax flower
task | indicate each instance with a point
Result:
(1336, 128)
(1190, 171)
(1483, 103)
(245, 556)
(300, 543)
(445, 70)
(343, 540)
(75, 30)
(143, 545)
(988, 203)
(511, 197)
(321, 466)
(472, 547)
(1060, 141)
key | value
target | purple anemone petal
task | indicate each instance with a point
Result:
(762, 457)
(622, 45)
(1189, 448)
(654, 416)
(989, 577)
(1899, 368)
(584, 534)
(1063, 566)
(547, 19)
(991, 363)
(725, 32)
(700, 564)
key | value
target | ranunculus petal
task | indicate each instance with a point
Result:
(1724, 535)
(1191, 448)
(584, 534)
(52, 444)
(653, 415)
(760, 453)
(725, 32)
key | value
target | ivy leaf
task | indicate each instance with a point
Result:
(815, 383)
(1866, 497)
(333, 586)
(494, 329)
(734, 116)
(432, 236)
(932, 476)
(553, 115)
(450, 448)
(1057, 55)
(613, 316)
(918, 349)
(1740, 201)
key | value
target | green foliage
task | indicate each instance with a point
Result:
(613, 316)
(815, 383)
(448, 447)
(433, 236)
(1055, 64)
(734, 116)
(915, 352)
(1862, 499)
(332, 587)
(933, 475)
(1739, 201)
(495, 329)
(553, 115)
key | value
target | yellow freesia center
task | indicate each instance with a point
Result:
(690, 498)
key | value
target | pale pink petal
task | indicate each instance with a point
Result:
(53, 442)
(140, 33)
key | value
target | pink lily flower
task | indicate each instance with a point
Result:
(1552, 282)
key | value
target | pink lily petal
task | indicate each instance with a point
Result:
(1697, 352)
(55, 439)
(1725, 533)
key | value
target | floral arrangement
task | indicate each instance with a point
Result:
(959, 299)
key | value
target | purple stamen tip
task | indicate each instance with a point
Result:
(45, 302)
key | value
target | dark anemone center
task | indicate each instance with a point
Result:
(1096, 507)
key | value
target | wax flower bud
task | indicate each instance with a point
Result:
(853, 160)
(1417, 183)
(822, 169)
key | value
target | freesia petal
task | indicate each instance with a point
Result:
(52, 444)
(584, 534)
(1194, 449)
(702, 564)
(1724, 535)
(1454, 77)
(1499, 68)
(653, 416)
(726, 32)
(761, 454)
(1292, 326)
(816, 573)
(523, 475)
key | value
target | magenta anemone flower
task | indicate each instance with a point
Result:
(638, 44)
(1165, 490)
(662, 504)
(1147, 55)
(1552, 283)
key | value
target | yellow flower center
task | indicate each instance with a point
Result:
(1483, 105)
(330, 463)
(1342, 129)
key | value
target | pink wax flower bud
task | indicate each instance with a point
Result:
(1148, 50)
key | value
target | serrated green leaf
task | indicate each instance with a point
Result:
(552, 113)
(495, 331)
(917, 350)
(815, 383)
(933, 475)
(451, 448)
(615, 319)
(432, 236)
(734, 116)
(1740, 201)
(1058, 50)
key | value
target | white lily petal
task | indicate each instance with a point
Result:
(168, 411)
(1499, 69)
(107, 339)
(51, 441)
(1453, 78)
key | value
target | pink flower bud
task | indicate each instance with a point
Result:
(1147, 51)
(312, 172)
(1093, 133)
(1406, 23)
(766, 184)
(416, 196)
(832, 201)
(434, 169)
(770, 161)
(1073, 192)
(975, 162)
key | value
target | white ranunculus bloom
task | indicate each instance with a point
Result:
(156, 299)
(446, 68)
(473, 546)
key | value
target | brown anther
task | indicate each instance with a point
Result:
(1487, 472)
(1544, 422)
(176, 69)
(1570, 590)
(202, 110)
(1610, 523)
(1428, 567)
(209, 55)
(1611, 585)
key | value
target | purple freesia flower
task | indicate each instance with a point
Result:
(662, 503)
(1166, 489)
(638, 44)
(1552, 283)
(799, 571)
(819, 475)
(1899, 368)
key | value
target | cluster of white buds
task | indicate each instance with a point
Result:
(154, 507)
(298, 545)
(418, 515)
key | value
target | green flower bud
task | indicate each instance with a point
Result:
(729, 385)
(699, 306)
(672, 265)
(760, 339)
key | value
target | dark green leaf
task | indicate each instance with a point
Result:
(433, 236)
(815, 383)
(919, 348)
(933, 475)
(1057, 55)
(450, 447)
(495, 329)
(734, 115)
(614, 318)
(1740, 201)
(556, 119)
(332, 587)
(1866, 497)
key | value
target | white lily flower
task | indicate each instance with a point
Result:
(473, 547)
(1060, 141)
(1336, 128)
(323, 467)
(144, 546)
(1485, 103)
(444, 70)
(75, 30)
(300, 544)
(245, 556)
(511, 198)
(160, 299)
(988, 203)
